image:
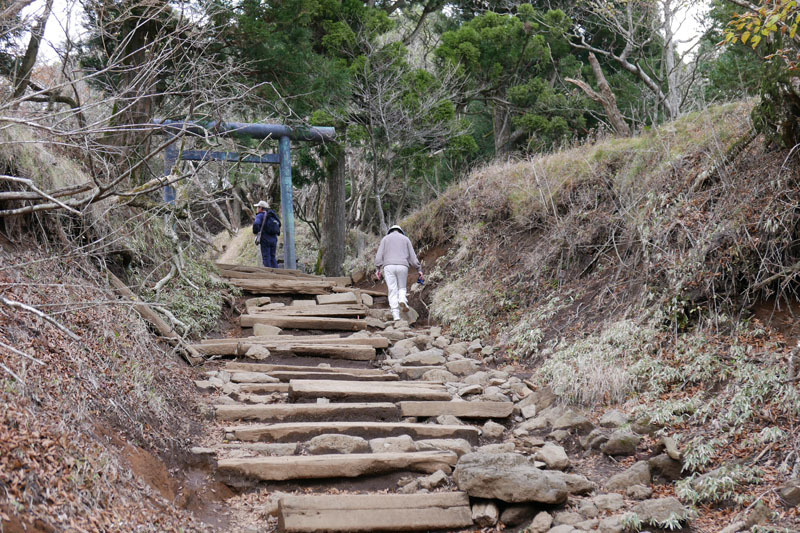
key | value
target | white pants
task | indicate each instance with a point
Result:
(396, 280)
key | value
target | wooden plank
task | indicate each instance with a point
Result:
(364, 391)
(371, 292)
(238, 366)
(304, 322)
(339, 465)
(337, 298)
(302, 431)
(265, 270)
(309, 412)
(341, 281)
(375, 342)
(463, 409)
(374, 512)
(282, 286)
(263, 388)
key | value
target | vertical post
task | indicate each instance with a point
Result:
(170, 157)
(287, 204)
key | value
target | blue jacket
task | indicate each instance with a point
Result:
(260, 218)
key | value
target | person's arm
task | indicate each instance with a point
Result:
(257, 223)
(412, 257)
(379, 255)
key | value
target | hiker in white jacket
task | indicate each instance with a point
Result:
(395, 255)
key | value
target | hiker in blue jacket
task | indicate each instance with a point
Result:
(267, 227)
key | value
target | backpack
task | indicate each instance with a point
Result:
(273, 225)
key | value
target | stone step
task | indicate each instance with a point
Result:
(238, 366)
(374, 512)
(305, 322)
(310, 412)
(338, 465)
(336, 351)
(285, 375)
(462, 409)
(301, 431)
(318, 310)
(375, 342)
(354, 391)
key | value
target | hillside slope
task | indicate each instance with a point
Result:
(655, 274)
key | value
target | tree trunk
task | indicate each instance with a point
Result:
(334, 212)
(605, 97)
(673, 74)
(29, 60)
(502, 128)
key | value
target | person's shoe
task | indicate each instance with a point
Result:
(404, 307)
(396, 316)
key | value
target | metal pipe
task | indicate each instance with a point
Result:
(255, 131)
(287, 204)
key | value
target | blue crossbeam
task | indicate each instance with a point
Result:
(234, 157)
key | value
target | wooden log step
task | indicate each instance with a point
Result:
(338, 298)
(463, 409)
(335, 351)
(302, 431)
(304, 322)
(371, 292)
(286, 376)
(263, 388)
(374, 512)
(375, 342)
(339, 465)
(318, 310)
(266, 270)
(310, 412)
(238, 366)
(358, 391)
(283, 286)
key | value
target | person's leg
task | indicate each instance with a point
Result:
(264, 253)
(390, 273)
(402, 282)
(273, 249)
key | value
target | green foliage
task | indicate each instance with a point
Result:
(718, 486)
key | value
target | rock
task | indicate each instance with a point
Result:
(253, 377)
(436, 479)
(413, 372)
(427, 358)
(478, 378)
(660, 511)
(759, 515)
(449, 420)
(403, 348)
(493, 430)
(621, 442)
(553, 456)
(462, 367)
(403, 443)
(520, 389)
(486, 351)
(611, 524)
(671, 447)
(638, 474)
(564, 528)
(594, 440)
(790, 493)
(265, 329)
(459, 348)
(225, 400)
(257, 352)
(436, 331)
(204, 385)
(588, 509)
(257, 301)
(392, 334)
(567, 517)
(576, 483)
(409, 317)
(559, 435)
(608, 502)
(335, 443)
(485, 514)
(735, 527)
(509, 477)
(529, 411)
(376, 323)
(458, 446)
(475, 346)
(541, 523)
(503, 447)
(441, 342)
(423, 342)
(639, 492)
(439, 374)
(367, 300)
(514, 515)
(587, 525)
(543, 398)
(613, 419)
(470, 389)
(572, 421)
(643, 426)
(664, 468)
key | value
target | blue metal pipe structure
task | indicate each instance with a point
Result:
(284, 134)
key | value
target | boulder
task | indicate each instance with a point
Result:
(790, 493)
(509, 477)
(553, 456)
(639, 492)
(441, 342)
(670, 446)
(514, 515)
(427, 358)
(613, 419)
(403, 348)
(529, 411)
(335, 443)
(462, 367)
(541, 523)
(403, 443)
(595, 439)
(567, 517)
(588, 509)
(478, 378)
(608, 502)
(638, 474)
(663, 467)
(493, 430)
(660, 511)
(621, 442)
(485, 514)
(572, 421)
(439, 374)
(576, 483)
(459, 348)
(611, 524)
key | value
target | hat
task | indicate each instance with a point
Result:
(395, 228)
(263, 204)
